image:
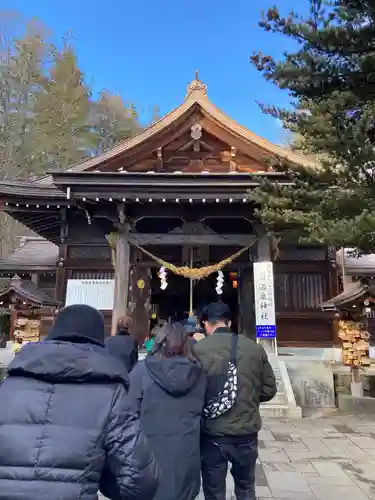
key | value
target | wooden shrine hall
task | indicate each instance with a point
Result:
(176, 193)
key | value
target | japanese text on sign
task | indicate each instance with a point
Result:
(91, 292)
(265, 317)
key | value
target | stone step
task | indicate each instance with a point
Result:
(279, 399)
(284, 403)
(276, 410)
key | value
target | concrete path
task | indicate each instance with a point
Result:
(315, 459)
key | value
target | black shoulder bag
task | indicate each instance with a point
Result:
(221, 391)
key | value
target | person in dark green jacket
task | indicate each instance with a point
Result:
(233, 436)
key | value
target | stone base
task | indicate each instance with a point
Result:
(284, 403)
(356, 389)
(356, 405)
(275, 410)
(312, 383)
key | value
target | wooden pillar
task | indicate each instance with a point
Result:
(333, 275)
(60, 271)
(246, 303)
(120, 306)
(35, 279)
(334, 288)
(264, 249)
(13, 317)
(264, 255)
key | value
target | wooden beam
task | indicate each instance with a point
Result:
(159, 160)
(141, 239)
(232, 164)
(176, 210)
(191, 212)
(250, 150)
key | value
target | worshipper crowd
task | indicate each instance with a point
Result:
(80, 414)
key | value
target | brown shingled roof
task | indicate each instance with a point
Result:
(35, 253)
(196, 97)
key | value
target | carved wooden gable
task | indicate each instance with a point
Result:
(197, 150)
(194, 137)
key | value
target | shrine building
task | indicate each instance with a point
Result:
(177, 193)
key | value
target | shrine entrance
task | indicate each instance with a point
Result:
(174, 302)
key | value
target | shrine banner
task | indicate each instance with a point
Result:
(91, 292)
(265, 316)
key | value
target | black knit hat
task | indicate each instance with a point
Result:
(78, 323)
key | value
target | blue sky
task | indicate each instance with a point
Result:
(148, 50)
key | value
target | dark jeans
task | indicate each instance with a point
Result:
(242, 454)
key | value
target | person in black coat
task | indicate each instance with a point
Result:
(168, 391)
(123, 346)
(67, 428)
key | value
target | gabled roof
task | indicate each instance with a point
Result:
(354, 294)
(196, 98)
(26, 291)
(34, 254)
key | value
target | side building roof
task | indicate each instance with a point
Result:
(26, 290)
(353, 296)
(34, 254)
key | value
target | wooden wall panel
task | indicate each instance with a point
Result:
(80, 231)
(299, 291)
(305, 332)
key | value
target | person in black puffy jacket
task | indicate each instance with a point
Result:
(123, 345)
(66, 425)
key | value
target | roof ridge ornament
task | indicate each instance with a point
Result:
(197, 86)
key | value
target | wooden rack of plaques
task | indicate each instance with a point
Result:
(355, 343)
(27, 322)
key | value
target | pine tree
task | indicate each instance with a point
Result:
(331, 80)
(62, 112)
(112, 121)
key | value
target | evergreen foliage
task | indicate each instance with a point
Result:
(331, 80)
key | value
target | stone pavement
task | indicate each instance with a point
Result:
(329, 458)
(316, 459)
